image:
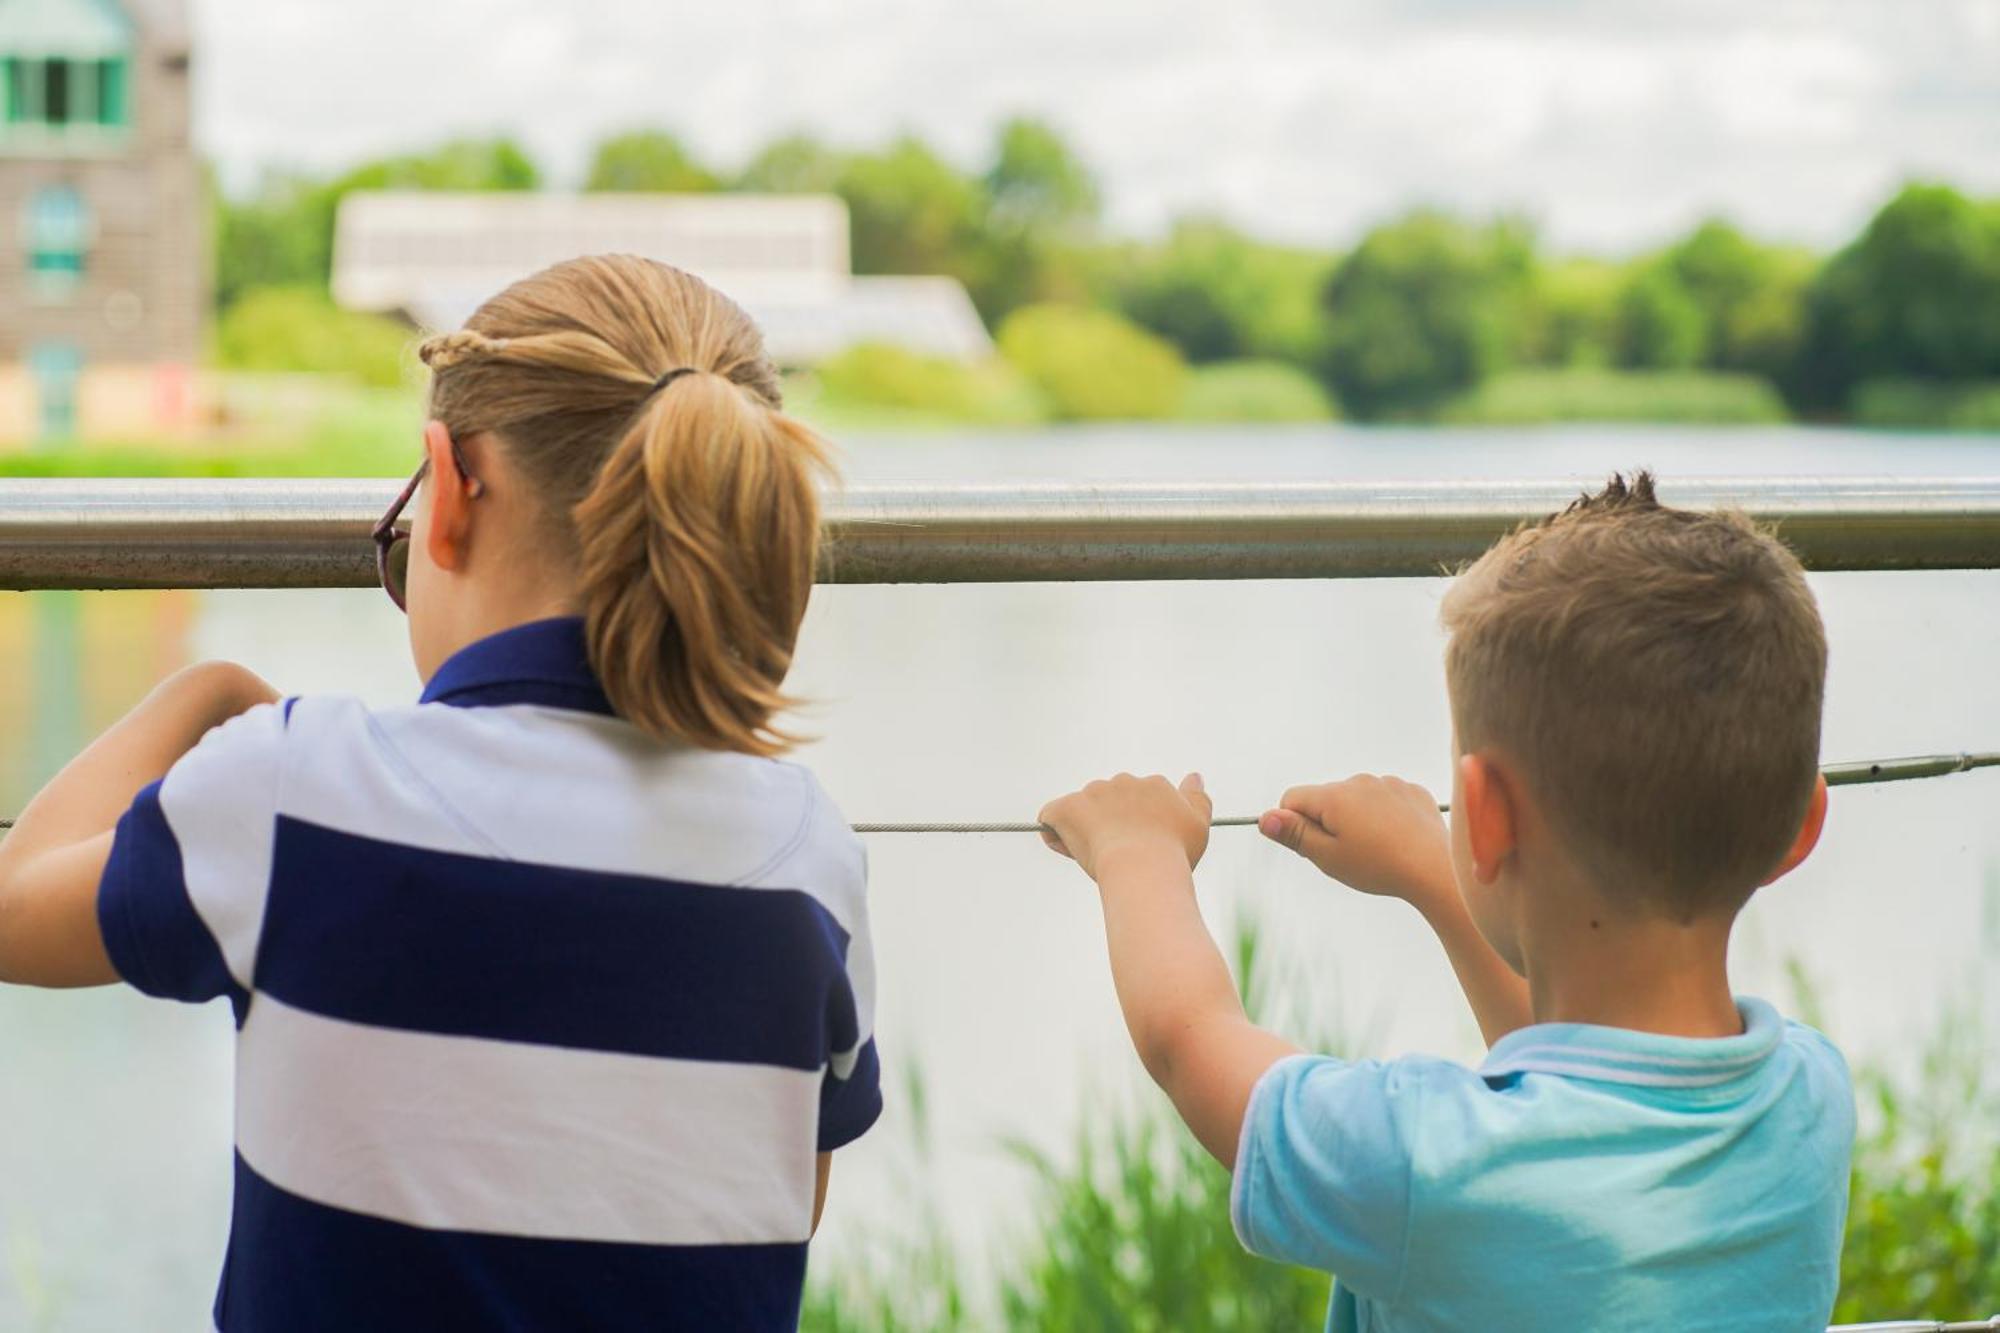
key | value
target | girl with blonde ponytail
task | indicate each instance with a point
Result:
(554, 991)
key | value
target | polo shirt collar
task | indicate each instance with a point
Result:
(543, 662)
(1645, 1059)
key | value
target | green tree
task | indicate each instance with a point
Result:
(1426, 307)
(1038, 206)
(280, 236)
(648, 160)
(1037, 183)
(1571, 315)
(1660, 324)
(795, 164)
(909, 210)
(1751, 296)
(461, 164)
(1219, 295)
(1913, 298)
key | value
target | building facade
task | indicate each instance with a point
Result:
(434, 257)
(104, 282)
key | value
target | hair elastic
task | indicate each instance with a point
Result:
(668, 378)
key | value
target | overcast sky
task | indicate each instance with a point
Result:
(1612, 122)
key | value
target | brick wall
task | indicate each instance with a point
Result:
(145, 292)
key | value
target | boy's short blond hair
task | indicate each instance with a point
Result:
(1657, 675)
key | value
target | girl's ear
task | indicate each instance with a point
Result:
(445, 502)
(1809, 831)
(1489, 815)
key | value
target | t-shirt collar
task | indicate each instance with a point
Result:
(1647, 1059)
(542, 662)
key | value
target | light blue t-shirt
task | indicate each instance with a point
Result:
(1581, 1178)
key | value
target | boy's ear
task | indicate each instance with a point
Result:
(1491, 827)
(446, 503)
(1809, 831)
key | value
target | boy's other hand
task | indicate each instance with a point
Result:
(1113, 817)
(1378, 835)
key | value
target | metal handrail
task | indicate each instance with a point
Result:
(132, 533)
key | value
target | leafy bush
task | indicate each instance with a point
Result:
(1923, 1217)
(299, 329)
(1928, 404)
(884, 377)
(1528, 397)
(1253, 391)
(1092, 364)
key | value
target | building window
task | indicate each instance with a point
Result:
(57, 369)
(60, 94)
(58, 241)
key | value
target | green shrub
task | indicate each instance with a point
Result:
(1526, 397)
(887, 378)
(1923, 1216)
(1136, 1236)
(1092, 364)
(1928, 404)
(299, 329)
(1253, 391)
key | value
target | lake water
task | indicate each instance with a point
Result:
(979, 702)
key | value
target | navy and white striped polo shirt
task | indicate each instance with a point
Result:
(540, 1022)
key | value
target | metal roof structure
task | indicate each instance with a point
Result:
(434, 257)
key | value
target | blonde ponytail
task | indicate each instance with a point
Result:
(698, 544)
(690, 500)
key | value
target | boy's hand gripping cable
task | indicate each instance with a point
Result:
(1837, 775)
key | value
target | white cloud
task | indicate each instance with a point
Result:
(1614, 122)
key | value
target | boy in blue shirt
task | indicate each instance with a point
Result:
(1636, 697)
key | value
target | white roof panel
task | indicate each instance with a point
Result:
(437, 256)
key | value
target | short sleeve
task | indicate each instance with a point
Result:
(1323, 1170)
(181, 901)
(850, 1098)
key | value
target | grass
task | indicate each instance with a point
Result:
(1923, 1221)
(1531, 397)
(292, 426)
(1928, 405)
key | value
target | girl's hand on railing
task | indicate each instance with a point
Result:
(217, 691)
(53, 860)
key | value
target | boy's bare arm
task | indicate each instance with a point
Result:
(1139, 838)
(1384, 836)
(52, 860)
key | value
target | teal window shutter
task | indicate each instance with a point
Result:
(113, 106)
